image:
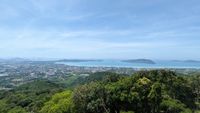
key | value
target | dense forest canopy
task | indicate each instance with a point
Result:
(155, 91)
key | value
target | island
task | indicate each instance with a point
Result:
(139, 61)
(192, 61)
(187, 61)
(78, 60)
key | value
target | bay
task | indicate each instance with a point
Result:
(119, 63)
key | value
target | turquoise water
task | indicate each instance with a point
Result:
(118, 63)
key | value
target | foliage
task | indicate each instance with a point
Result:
(154, 91)
(145, 92)
(59, 103)
(28, 97)
(17, 110)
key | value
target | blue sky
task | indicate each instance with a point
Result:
(119, 29)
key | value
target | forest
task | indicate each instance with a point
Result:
(152, 91)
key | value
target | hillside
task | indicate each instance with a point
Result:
(155, 91)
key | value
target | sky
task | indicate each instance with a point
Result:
(100, 29)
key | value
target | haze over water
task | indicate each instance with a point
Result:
(118, 63)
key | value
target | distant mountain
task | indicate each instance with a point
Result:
(14, 59)
(140, 61)
(77, 60)
(192, 61)
(19, 59)
(187, 61)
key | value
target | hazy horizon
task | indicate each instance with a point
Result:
(103, 29)
(109, 59)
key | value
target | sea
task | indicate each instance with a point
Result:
(119, 63)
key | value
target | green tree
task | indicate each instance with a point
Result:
(155, 97)
(90, 98)
(173, 106)
(17, 110)
(59, 103)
